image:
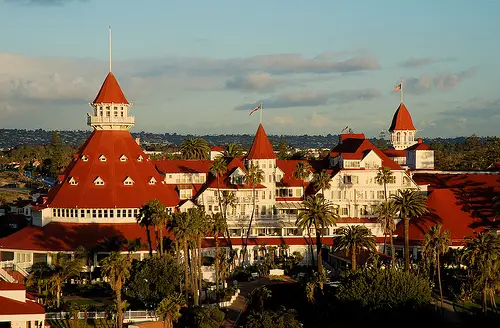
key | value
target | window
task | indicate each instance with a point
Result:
(72, 181)
(185, 193)
(123, 158)
(139, 159)
(82, 213)
(398, 137)
(124, 213)
(263, 194)
(352, 164)
(116, 114)
(210, 208)
(128, 181)
(152, 181)
(404, 137)
(98, 181)
(263, 165)
(129, 213)
(94, 213)
(118, 213)
(54, 212)
(344, 211)
(105, 213)
(263, 210)
(102, 158)
(99, 213)
(84, 158)
(380, 194)
(298, 192)
(350, 179)
(270, 178)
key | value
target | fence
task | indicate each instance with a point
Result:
(127, 315)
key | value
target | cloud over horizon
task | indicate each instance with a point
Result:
(43, 2)
(418, 62)
(443, 82)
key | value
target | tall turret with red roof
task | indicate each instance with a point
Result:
(110, 108)
(403, 132)
(262, 155)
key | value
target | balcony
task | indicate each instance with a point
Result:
(95, 120)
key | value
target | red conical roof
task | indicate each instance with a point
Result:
(110, 92)
(123, 159)
(261, 147)
(402, 119)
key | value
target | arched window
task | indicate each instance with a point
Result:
(404, 134)
(410, 136)
(398, 137)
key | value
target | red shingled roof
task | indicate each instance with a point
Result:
(4, 285)
(261, 147)
(110, 92)
(402, 119)
(12, 307)
(354, 147)
(288, 167)
(461, 203)
(395, 153)
(183, 166)
(111, 144)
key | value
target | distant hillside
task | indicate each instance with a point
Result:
(13, 137)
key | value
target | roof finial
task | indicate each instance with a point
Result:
(110, 49)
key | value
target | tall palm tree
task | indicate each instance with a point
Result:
(229, 200)
(117, 268)
(436, 243)
(169, 310)
(218, 169)
(195, 148)
(302, 172)
(386, 212)
(218, 225)
(353, 239)
(155, 214)
(320, 214)
(253, 177)
(482, 256)
(63, 268)
(384, 176)
(322, 181)
(233, 151)
(145, 219)
(199, 229)
(410, 204)
(180, 226)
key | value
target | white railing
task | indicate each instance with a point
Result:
(21, 270)
(127, 315)
(6, 276)
(117, 120)
(6, 264)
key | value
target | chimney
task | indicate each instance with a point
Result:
(419, 140)
(138, 141)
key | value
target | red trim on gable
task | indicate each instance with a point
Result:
(13, 307)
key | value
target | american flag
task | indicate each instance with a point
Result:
(255, 109)
(397, 88)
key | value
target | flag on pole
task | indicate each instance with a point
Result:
(255, 109)
(397, 88)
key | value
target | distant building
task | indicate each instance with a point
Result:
(19, 308)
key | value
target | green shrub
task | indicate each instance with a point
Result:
(376, 288)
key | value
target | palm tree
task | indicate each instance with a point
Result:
(218, 226)
(253, 177)
(159, 218)
(302, 172)
(218, 169)
(322, 181)
(436, 243)
(169, 310)
(320, 214)
(181, 227)
(384, 176)
(353, 239)
(195, 148)
(199, 228)
(145, 219)
(229, 200)
(63, 268)
(482, 255)
(386, 212)
(117, 268)
(410, 204)
(233, 151)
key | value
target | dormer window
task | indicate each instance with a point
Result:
(140, 158)
(98, 181)
(128, 181)
(84, 158)
(123, 158)
(102, 158)
(152, 181)
(72, 181)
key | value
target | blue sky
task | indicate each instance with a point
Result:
(198, 66)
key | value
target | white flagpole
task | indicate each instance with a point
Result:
(110, 49)
(401, 94)
(260, 112)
